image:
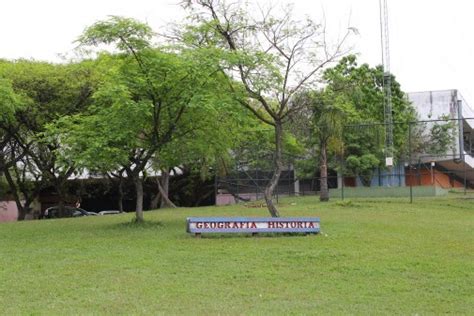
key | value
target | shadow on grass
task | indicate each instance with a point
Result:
(134, 224)
(250, 236)
(348, 204)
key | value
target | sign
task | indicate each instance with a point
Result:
(254, 225)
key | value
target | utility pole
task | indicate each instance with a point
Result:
(387, 87)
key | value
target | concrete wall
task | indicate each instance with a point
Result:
(8, 211)
(435, 105)
(229, 199)
(432, 105)
(437, 178)
(382, 192)
(467, 111)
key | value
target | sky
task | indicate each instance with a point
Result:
(431, 43)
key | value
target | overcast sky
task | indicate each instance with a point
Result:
(431, 43)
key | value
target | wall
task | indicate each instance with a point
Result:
(8, 211)
(393, 177)
(424, 177)
(381, 192)
(432, 105)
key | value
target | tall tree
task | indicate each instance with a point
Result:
(272, 57)
(357, 91)
(328, 120)
(14, 163)
(150, 98)
(319, 128)
(49, 91)
(213, 133)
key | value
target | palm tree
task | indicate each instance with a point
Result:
(328, 122)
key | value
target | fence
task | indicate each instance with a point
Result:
(428, 158)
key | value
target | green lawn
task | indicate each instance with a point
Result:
(373, 256)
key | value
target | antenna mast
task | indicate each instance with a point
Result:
(387, 87)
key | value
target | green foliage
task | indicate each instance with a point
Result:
(10, 102)
(363, 166)
(154, 107)
(292, 146)
(3, 187)
(274, 57)
(49, 90)
(442, 138)
(323, 115)
(340, 119)
(357, 91)
(361, 85)
(328, 115)
(42, 94)
(125, 33)
(434, 138)
(189, 101)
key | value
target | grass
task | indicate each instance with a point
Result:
(372, 257)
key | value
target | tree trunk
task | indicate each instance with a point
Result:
(21, 214)
(163, 187)
(24, 210)
(162, 196)
(60, 189)
(21, 211)
(204, 196)
(139, 190)
(61, 208)
(323, 168)
(165, 201)
(278, 165)
(156, 199)
(120, 197)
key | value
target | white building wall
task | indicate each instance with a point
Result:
(433, 105)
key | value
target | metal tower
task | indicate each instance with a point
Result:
(387, 105)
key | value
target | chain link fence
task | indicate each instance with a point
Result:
(429, 158)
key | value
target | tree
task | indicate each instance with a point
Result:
(48, 91)
(24, 179)
(9, 103)
(442, 137)
(319, 128)
(214, 134)
(328, 120)
(119, 175)
(359, 90)
(14, 163)
(149, 99)
(363, 166)
(273, 59)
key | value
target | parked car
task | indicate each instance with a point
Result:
(109, 212)
(53, 212)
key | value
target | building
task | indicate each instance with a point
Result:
(456, 162)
